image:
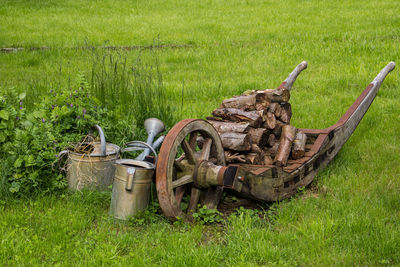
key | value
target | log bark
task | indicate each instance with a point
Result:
(299, 145)
(232, 157)
(240, 101)
(274, 149)
(237, 115)
(236, 141)
(271, 140)
(269, 121)
(267, 160)
(253, 158)
(278, 128)
(234, 127)
(255, 148)
(275, 108)
(285, 144)
(286, 113)
(277, 95)
(259, 136)
(214, 119)
(246, 102)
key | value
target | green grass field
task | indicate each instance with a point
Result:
(216, 49)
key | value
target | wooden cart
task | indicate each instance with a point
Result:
(190, 172)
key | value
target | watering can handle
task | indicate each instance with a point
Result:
(62, 155)
(102, 138)
(138, 145)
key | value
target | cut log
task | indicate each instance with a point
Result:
(234, 127)
(246, 102)
(214, 119)
(236, 141)
(278, 128)
(263, 105)
(267, 160)
(299, 145)
(237, 115)
(259, 136)
(232, 157)
(275, 108)
(285, 145)
(277, 95)
(269, 121)
(274, 149)
(286, 113)
(253, 158)
(271, 140)
(240, 101)
(255, 148)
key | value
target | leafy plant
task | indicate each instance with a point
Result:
(148, 216)
(207, 216)
(30, 141)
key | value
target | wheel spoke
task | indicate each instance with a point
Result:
(179, 192)
(194, 199)
(179, 166)
(189, 153)
(186, 179)
(189, 142)
(205, 151)
(193, 139)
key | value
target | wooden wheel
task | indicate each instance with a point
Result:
(186, 145)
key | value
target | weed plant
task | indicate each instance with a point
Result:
(30, 140)
(134, 90)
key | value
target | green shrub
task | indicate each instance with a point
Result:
(30, 141)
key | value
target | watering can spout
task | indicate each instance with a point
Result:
(154, 126)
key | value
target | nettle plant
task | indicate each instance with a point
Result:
(30, 141)
(9, 115)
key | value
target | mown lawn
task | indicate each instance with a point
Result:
(351, 214)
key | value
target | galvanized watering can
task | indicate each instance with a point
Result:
(93, 170)
(132, 182)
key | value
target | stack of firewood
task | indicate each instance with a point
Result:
(255, 128)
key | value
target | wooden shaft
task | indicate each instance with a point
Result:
(344, 128)
(289, 81)
(384, 72)
(285, 145)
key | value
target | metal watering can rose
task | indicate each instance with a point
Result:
(132, 183)
(93, 165)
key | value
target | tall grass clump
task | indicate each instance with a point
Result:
(134, 89)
